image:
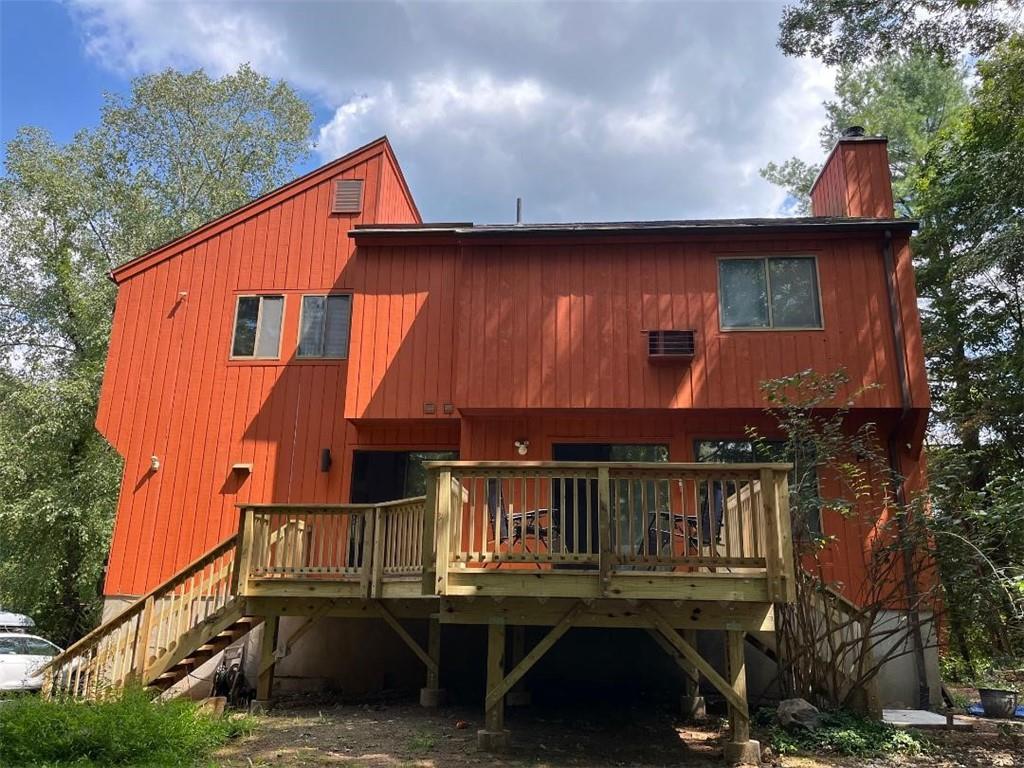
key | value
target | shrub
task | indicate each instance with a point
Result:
(132, 730)
(841, 733)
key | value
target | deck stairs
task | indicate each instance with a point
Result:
(161, 637)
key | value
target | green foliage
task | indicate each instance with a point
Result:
(908, 98)
(842, 733)
(179, 150)
(840, 31)
(129, 730)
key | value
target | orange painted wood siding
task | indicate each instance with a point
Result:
(561, 326)
(548, 334)
(171, 391)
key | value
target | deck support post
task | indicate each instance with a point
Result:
(432, 695)
(740, 749)
(494, 737)
(691, 702)
(519, 696)
(268, 645)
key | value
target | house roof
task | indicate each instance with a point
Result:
(178, 244)
(470, 231)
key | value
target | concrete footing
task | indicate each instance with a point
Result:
(492, 741)
(743, 752)
(516, 698)
(432, 697)
(692, 708)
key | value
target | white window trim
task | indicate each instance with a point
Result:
(764, 258)
(259, 325)
(323, 328)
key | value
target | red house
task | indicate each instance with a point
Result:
(329, 411)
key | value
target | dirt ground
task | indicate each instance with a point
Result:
(407, 736)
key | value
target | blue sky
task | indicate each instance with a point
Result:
(588, 110)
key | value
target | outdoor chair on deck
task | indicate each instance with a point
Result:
(527, 525)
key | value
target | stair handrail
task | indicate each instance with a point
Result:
(108, 626)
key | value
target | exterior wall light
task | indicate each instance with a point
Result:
(154, 463)
(522, 446)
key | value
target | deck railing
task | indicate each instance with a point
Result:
(359, 545)
(138, 643)
(611, 518)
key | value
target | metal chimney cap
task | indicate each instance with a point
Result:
(854, 131)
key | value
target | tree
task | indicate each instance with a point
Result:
(970, 261)
(851, 31)
(909, 98)
(179, 150)
(832, 647)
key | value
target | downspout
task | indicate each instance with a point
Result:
(899, 489)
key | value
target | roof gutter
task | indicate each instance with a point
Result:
(898, 481)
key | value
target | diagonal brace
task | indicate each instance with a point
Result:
(407, 638)
(684, 664)
(691, 654)
(497, 693)
(298, 634)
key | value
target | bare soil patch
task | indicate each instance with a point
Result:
(404, 735)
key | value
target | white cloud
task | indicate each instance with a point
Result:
(587, 110)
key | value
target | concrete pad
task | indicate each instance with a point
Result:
(743, 752)
(493, 741)
(921, 718)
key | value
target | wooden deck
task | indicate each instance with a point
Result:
(690, 532)
(670, 548)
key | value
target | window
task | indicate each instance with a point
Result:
(323, 331)
(803, 490)
(776, 292)
(35, 646)
(258, 327)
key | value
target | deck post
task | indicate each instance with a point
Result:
(740, 749)
(519, 696)
(432, 695)
(691, 702)
(265, 681)
(494, 737)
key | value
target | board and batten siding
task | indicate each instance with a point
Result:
(171, 390)
(561, 326)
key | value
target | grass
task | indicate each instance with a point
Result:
(422, 741)
(129, 730)
(842, 733)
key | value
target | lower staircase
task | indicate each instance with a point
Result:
(161, 637)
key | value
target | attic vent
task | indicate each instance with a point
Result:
(348, 196)
(670, 345)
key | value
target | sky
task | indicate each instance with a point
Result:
(588, 111)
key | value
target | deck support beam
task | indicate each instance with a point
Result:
(432, 695)
(409, 640)
(519, 695)
(691, 702)
(265, 680)
(740, 749)
(494, 737)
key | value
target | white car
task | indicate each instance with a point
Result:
(21, 658)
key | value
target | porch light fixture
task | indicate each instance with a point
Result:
(154, 463)
(522, 446)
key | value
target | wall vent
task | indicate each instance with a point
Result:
(671, 345)
(348, 196)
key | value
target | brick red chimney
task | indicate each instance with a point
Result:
(855, 180)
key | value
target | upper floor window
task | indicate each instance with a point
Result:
(324, 329)
(258, 327)
(774, 292)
